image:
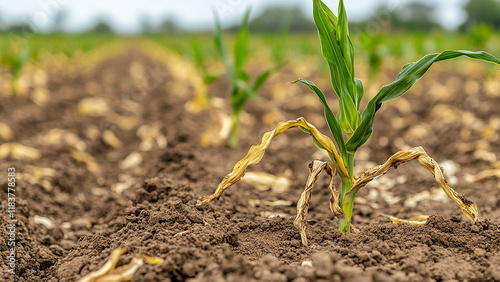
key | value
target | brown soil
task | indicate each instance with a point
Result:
(228, 240)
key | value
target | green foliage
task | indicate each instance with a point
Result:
(412, 16)
(408, 76)
(338, 51)
(482, 11)
(15, 61)
(480, 34)
(273, 19)
(101, 27)
(240, 88)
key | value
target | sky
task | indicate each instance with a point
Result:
(125, 15)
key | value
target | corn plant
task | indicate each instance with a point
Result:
(240, 88)
(15, 61)
(350, 127)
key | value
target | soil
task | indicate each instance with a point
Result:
(454, 116)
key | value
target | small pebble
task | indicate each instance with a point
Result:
(307, 263)
(43, 221)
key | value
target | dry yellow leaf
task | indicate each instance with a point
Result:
(219, 129)
(418, 220)
(256, 153)
(5, 132)
(106, 268)
(18, 151)
(468, 207)
(108, 272)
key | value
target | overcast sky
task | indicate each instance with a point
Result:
(125, 15)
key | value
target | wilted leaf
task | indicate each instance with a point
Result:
(108, 272)
(315, 169)
(468, 207)
(256, 153)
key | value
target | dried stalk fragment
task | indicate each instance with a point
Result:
(108, 272)
(5, 132)
(256, 153)
(418, 220)
(106, 268)
(179, 234)
(18, 151)
(87, 159)
(485, 174)
(468, 207)
(111, 140)
(265, 181)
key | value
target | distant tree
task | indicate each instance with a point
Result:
(19, 28)
(101, 27)
(59, 19)
(2, 24)
(274, 18)
(482, 11)
(147, 26)
(414, 16)
(168, 25)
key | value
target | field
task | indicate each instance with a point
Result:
(105, 135)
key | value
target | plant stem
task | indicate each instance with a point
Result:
(233, 137)
(347, 202)
(345, 223)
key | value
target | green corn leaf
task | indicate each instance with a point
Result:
(330, 117)
(408, 76)
(209, 79)
(360, 92)
(344, 40)
(264, 76)
(219, 45)
(198, 55)
(341, 68)
(199, 60)
(260, 80)
(241, 44)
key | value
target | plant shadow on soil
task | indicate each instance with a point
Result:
(228, 240)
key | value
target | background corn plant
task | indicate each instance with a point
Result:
(240, 88)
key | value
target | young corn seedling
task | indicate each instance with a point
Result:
(350, 127)
(240, 88)
(15, 62)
